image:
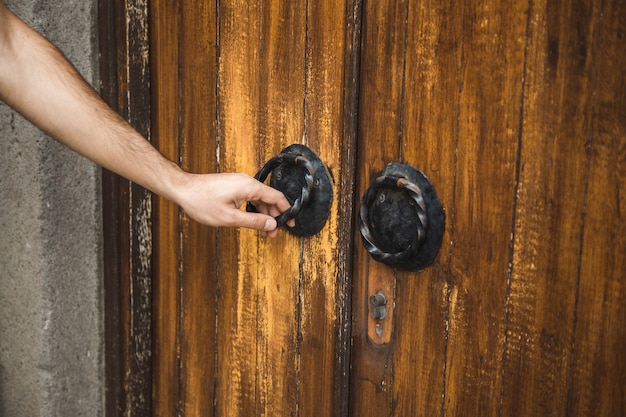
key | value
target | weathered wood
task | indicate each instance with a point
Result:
(323, 270)
(598, 366)
(430, 134)
(380, 124)
(111, 213)
(562, 45)
(166, 284)
(487, 154)
(131, 383)
(198, 135)
(515, 111)
(261, 111)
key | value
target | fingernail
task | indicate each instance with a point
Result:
(270, 224)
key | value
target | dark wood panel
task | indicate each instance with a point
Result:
(129, 267)
(562, 45)
(598, 368)
(111, 226)
(430, 134)
(487, 153)
(380, 124)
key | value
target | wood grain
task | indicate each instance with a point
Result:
(267, 85)
(492, 65)
(198, 135)
(430, 134)
(517, 114)
(135, 233)
(380, 123)
(324, 278)
(239, 78)
(166, 308)
(562, 52)
(598, 366)
(277, 262)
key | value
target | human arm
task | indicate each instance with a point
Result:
(38, 82)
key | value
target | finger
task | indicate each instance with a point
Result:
(275, 212)
(257, 221)
(269, 196)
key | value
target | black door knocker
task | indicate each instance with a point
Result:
(302, 177)
(401, 219)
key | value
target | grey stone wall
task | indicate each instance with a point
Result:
(51, 307)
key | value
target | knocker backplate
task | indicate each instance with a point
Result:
(290, 179)
(393, 219)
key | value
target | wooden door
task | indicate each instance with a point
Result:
(516, 111)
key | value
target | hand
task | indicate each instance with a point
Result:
(216, 199)
(37, 81)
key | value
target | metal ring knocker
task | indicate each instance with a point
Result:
(302, 177)
(401, 219)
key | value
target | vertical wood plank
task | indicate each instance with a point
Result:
(239, 33)
(599, 363)
(429, 141)
(324, 271)
(278, 261)
(127, 215)
(261, 96)
(559, 86)
(239, 26)
(380, 110)
(136, 247)
(198, 115)
(347, 200)
(112, 208)
(486, 164)
(165, 17)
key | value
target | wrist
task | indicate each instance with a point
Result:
(173, 184)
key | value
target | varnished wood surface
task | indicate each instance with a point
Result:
(516, 111)
(510, 109)
(167, 217)
(246, 325)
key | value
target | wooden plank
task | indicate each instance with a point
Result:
(112, 222)
(599, 364)
(323, 289)
(429, 142)
(492, 64)
(239, 28)
(261, 110)
(198, 115)
(383, 47)
(558, 92)
(166, 262)
(277, 261)
(135, 202)
(347, 199)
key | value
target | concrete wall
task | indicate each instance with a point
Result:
(51, 308)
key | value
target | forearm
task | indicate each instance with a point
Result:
(37, 81)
